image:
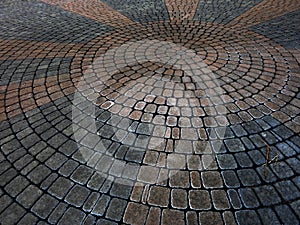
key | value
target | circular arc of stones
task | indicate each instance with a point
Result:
(97, 78)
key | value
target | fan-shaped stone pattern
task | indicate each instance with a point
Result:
(44, 68)
(56, 152)
(256, 82)
(20, 49)
(34, 93)
(48, 177)
(140, 11)
(285, 32)
(246, 151)
(181, 10)
(47, 24)
(95, 10)
(223, 11)
(265, 11)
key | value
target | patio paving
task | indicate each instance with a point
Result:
(149, 112)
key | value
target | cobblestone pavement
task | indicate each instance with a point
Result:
(149, 112)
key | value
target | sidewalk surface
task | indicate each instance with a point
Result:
(149, 112)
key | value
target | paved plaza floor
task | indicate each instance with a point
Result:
(147, 112)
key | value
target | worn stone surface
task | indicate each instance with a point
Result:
(149, 112)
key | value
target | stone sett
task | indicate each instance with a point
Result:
(160, 112)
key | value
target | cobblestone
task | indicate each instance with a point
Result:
(248, 177)
(230, 179)
(268, 216)
(210, 218)
(159, 196)
(149, 112)
(44, 206)
(247, 217)
(7, 176)
(60, 187)
(295, 206)
(228, 218)
(77, 195)
(179, 198)
(101, 205)
(121, 188)
(226, 161)
(287, 190)
(199, 200)
(28, 219)
(116, 209)
(179, 179)
(82, 174)
(248, 197)
(135, 214)
(91, 201)
(29, 196)
(234, 199)
(5, 201)
(211, 179)
(72, 216)
(16, 185)
(170, 216)
(12, 214)
(285, 210)
(220, 200)
(267, 195)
